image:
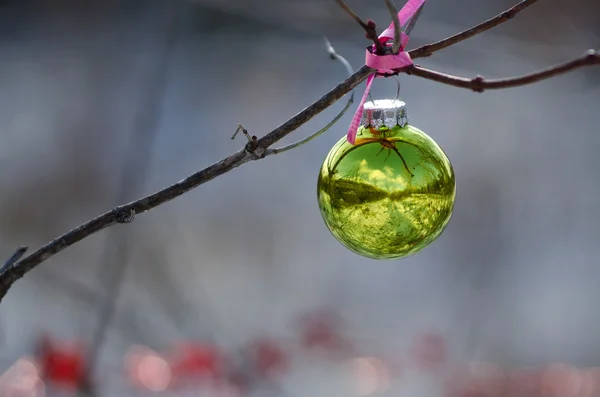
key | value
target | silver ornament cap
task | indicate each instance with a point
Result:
(384, 112)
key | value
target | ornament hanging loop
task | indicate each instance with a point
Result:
(397, 91)
(371, 98)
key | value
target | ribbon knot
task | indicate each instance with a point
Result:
(386, 63)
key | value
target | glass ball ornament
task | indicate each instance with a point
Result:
(390, 194)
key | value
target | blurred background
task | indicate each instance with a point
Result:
(237, 288)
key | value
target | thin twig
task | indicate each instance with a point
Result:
(369, 27)
(352, 14)
(413, 21)
(317, 107)
(397, 28)
(335, 56)
(244, 131)
(135, 170)
(251, 145)
(14, 258)
(479, 84)
(428, 49)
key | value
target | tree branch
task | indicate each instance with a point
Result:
(397, 28)
(428, 49)
(352, 14)
(14, 258)
(335, 56)
(125, 213)
(369, 27)
(308, 113)
(258, 148)
(479, 84)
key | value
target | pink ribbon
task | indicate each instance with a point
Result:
(385, 63)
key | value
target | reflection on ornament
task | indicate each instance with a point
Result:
(391, 193)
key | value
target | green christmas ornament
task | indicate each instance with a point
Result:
(390, 194)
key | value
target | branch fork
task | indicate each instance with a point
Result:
(257, 148)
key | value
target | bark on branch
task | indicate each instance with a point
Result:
(480, 84)
(428, 49)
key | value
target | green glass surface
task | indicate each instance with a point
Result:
(389, 195)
